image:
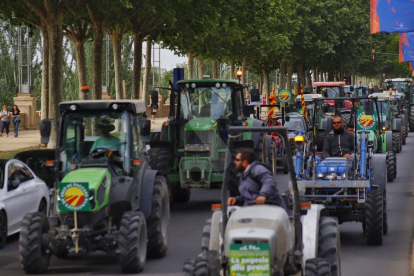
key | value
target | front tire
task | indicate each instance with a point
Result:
(404, 134)
(374, 217)
(33, 253)
(158, 222)
(317, 267)
(132, 242)
(411, 121)
(396, 142)
(196, 267)
(329, 246)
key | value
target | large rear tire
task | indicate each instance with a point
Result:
(396, 142)
(34, 255)
(159, 160)
(320, 139)
(317, 267)
(390, 166)
(404, 134)
(346, 118)
(158, 222)
(411, 121)
(374, 217)
(329, 245)
(132, 242)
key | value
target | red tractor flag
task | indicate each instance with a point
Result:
(273, 101)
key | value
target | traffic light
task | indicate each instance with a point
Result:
(372, 54)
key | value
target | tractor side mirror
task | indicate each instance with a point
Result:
(305, 90)
(369, 107)
(287, 109)
(287, 118)
(352, 88)
(45, 129)
(248, 110)
(144, 127)
(326, 108)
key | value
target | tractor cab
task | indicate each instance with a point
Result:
(404, 86)
(332, 90)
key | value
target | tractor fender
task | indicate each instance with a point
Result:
(256, 135)
(121, 194)
(388, 141)
(379, 170)
(215, 244)
(147, 186)
(397, 125)
(310, 237)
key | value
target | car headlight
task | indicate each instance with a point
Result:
(197, 147)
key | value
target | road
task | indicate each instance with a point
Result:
(187, 220)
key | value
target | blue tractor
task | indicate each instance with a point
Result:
(352, 189)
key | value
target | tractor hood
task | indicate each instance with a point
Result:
(200, 124)
(93, 176)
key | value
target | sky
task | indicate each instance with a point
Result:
(168, 59)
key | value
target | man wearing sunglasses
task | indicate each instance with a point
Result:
(257, 183)
(339, 142)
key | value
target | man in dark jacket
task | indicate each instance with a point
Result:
(339, 142)
(257, 183)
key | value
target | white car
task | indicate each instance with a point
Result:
(21, 192)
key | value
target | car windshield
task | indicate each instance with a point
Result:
(295, 124)
(94, 137)
(209, 102)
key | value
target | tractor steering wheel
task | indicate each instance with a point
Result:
(267, 202)
(99, 152)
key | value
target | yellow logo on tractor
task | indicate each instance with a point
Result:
(284, 95)
(74, 196)
(366, 120)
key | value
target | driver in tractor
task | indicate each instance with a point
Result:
(257, 184)
(339, 142)
(106, 140)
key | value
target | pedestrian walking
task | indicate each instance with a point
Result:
(5, 120)
(154, 104)
(16, 119)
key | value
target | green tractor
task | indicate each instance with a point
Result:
(105, 196)
(193, 142)
(404, 86)
(391, 119)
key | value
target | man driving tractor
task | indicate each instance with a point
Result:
(106, 140)
(339, 142)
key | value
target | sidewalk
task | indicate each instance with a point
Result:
(31, 138)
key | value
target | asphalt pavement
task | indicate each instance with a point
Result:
(187, 221)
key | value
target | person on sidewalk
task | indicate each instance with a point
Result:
(16, 119)
(5, 120)
(257, 184)
(154, 104)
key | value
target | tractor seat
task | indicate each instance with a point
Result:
(204, 111)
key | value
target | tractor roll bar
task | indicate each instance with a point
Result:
(234, 132)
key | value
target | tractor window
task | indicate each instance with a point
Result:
(383, 107)
(209, 102)
(96, 138)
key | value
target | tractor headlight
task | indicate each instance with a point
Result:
(299, 139)
(197, 147)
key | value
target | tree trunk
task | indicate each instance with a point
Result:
(289, 76)
(244, 69)
(116, 39)
(145, 87)
(55, 70)
(81, 65)
(300, 77)
(45, 74)
(233, 69)
(316, 74)
(282, 75)
(200, 67)
(190, 65)
(214, 64)
(136, 78)
(331, 76)
(98, 28)
(308, 80)
(266, 84)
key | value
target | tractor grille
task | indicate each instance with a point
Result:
(200, 137)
